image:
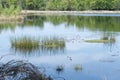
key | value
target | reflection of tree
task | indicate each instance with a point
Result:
(109, 36)
(93, 23)
(39, 52)
(35, 21)
(7, 26)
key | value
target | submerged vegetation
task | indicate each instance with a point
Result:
(78, 67)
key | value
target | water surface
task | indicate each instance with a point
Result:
(100, 61)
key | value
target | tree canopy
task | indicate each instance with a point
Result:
(62, 4)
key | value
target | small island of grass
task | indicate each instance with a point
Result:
(52, 43)
(30, 44)
(103, 40)
(25, 43)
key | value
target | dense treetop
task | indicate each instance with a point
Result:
(62, 4)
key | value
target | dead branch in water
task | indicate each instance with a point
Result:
(21, 70)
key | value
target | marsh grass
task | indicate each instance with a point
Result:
(97, 41)
(29, 44)
(51, 43)
(104, 40)
(25, 43)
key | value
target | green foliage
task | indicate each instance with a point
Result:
(116, 4)
(64, 4)
(1, 8)
(10, 8)
(102, 4)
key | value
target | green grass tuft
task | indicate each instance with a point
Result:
(27, 44)
(24, 43)
(52, 43)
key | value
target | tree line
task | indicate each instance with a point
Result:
(62, 4)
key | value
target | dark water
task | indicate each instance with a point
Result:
(99, 61)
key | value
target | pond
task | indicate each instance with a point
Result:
(78, 59)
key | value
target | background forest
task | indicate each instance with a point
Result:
(60, 4)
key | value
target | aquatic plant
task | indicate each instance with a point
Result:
(78, 67)
(97, 41)
(28, 45)
(111, 40)
(25, 43)
(52, 43)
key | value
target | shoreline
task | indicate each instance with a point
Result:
(24, 12)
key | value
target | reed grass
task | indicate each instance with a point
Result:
(52, 43)
(25, 43)
(28, 44)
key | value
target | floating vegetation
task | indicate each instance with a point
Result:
(25, 43)
(59, 68)
(21, 70)
(105, 40)
(78, 67)
(97, 41)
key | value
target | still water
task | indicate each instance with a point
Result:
(97, 61)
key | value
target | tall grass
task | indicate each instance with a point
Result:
(28, 44)
(25, 43)
(52, 43)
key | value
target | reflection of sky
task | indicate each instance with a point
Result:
(86, 54)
